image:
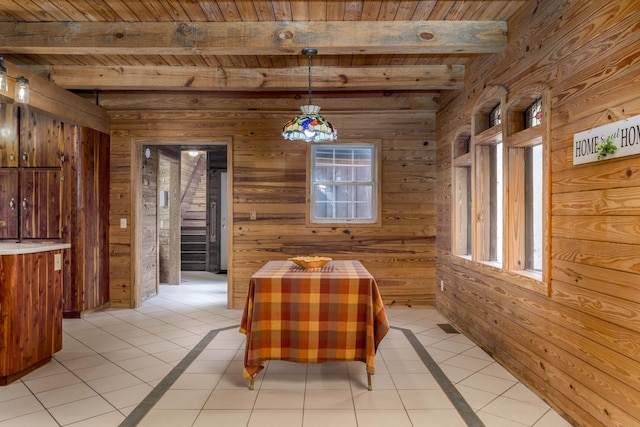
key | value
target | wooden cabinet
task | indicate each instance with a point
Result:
(9, 203)
(87, 217)
(41, 140)
(40, 203)
(30, 204)
(31, 158)
(9, 153)
(54, 186)
(31, 315)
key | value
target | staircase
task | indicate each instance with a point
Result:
(193, 212)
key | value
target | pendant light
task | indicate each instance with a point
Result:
(309, 126)
(4, 79)
(22, 90)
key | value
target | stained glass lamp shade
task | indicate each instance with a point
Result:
(309, 125)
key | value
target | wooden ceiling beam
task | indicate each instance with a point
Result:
(253, 38)
(402, 77)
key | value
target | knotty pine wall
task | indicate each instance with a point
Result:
(268, 176)
(577, 347)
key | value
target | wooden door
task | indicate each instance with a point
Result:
(41, 140)
(40, 204)
(9, 203)
(8, 135)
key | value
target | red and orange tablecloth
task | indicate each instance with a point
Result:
(312, 316)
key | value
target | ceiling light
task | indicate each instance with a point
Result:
(309, 126)
(22, 90)
(4, 79)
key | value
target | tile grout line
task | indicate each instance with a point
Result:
(458, 401)
(159, 390)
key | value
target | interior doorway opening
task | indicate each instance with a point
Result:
(183, 216)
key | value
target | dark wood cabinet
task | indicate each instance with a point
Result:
(9, 150)
(30, 204)
(41, 140)
(54, 187)
(9, 203)
(86, 219)
(40, 203)
(31, 158)
(31, 316)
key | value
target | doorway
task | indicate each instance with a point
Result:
(183, 216)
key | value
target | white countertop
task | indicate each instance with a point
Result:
(13, 248)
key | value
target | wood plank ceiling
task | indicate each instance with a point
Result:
(245, 45)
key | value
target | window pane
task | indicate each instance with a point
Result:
(533, 211)
(496, 204)
(343, 183)
(343, 202)
(533, 114)
(494, 116)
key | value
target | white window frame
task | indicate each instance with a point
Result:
(373, 183)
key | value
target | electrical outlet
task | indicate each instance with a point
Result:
(123, 222)
(252, 215)
(442, 285)
(57, 262)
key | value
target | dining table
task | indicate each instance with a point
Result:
(331, 313)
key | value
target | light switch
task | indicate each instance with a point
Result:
(57, 262)
(123, 222)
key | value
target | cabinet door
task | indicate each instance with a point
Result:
(41, 140)
(9, 204)
(41, 204)
(9, 153)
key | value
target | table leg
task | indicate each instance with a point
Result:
(369, 381)
(251, 384)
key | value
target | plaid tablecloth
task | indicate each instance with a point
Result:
(307, 316)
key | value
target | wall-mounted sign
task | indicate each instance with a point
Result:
(625, 134)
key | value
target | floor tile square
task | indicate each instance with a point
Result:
(330, 417)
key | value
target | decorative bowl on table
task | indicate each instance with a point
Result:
(310, 262)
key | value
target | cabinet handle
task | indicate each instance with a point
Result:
(12, 204)
(25, 157)
(24, 203)
(12, 157)
(62, 158)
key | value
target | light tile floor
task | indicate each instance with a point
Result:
(112, 360)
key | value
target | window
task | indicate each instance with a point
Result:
(344, 183)
(495, 204)
(533, 211)
(494, 116)
(527, 228)
(488, 186)
(462, 179)
(533, 114)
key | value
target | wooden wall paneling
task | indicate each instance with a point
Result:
(577, 347)
(174, 219)
(86, 212)
(163, 225)
(121, 207)
(269, 177)
(522, 347)
(72, 294)
(149, 220)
